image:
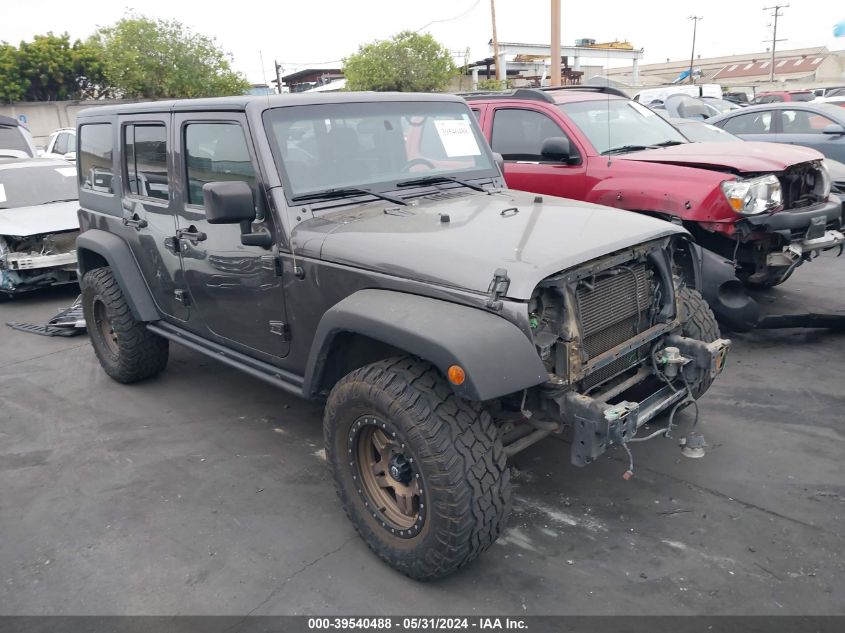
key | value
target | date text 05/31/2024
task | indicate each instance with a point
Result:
(411, 624)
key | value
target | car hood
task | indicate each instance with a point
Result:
(748, 157)
(43, 218)
(531, 240)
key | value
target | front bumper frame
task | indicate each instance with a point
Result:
(598, 425)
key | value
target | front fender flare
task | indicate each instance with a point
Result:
(497, 357)
(125, 269)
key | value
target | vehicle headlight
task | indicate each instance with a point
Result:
(824, 182)
(754, 195)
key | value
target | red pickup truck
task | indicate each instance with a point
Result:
(757, 209)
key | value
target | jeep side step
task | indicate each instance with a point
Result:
(281, 378)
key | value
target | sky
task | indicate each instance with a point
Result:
(301, 32)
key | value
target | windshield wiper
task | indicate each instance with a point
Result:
(627, 148)
(430, 180)
(669, 143)
(342, 192)
(61, 200)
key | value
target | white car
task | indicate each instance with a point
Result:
(62, 144)
(38, 224)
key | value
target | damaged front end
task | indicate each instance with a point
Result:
(613, 341)
(37, 261)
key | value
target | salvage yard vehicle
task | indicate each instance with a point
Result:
(361, 248)
(61, 144)
(15, 139)
(761, 208)
(38, 224)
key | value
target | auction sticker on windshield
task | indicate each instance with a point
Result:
(457, 138)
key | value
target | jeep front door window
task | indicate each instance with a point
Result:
(215, 152)
(618, 125)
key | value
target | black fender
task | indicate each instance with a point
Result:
(727, 295)
(495, 354)
(118, 256)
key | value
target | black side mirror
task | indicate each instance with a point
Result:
(556, 148)
(232, 202)
(833, 128)
(500, 161)
(228, 202)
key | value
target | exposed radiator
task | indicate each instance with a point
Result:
(613, 309)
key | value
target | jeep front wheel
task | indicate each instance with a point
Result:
(126, 349)
(420, 472)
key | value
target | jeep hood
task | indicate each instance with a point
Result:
(748, 157)
(483, 233)
(43, 218)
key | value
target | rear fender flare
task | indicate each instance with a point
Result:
(118, 256)
(495, 354)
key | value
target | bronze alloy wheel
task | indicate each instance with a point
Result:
(104, 327)
(389, 481)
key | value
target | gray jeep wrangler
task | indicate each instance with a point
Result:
(362, 248)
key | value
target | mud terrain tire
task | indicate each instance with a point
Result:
(125, 348)
(698, 322)
(445, 446)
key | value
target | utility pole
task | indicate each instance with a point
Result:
(278, 76)
(555, 43)
(495, 39)
(776, 15)
(695, 19)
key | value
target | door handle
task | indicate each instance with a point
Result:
(191, 234)
(135, 221)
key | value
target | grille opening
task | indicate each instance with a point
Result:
(613, 309)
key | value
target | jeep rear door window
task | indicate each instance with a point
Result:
(145, 160)
(95, 157)
(375, 145)
(519, 134)
(619, 125)
(215, 152)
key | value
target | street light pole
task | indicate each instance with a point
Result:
(695, 19)
(776, 14)
(495, 40)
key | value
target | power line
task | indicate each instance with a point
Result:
(457, 17)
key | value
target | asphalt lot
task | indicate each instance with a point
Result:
(204, 491)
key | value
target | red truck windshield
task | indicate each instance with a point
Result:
(614, 124)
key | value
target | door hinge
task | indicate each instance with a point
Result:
(280, 328)
(272, 264)
(182, 297)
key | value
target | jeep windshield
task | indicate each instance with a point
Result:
(616, 126)
(368, 148)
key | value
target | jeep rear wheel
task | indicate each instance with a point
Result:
(698, 322)
(125, 348)
(420, 472)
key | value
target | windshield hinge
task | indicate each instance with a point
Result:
(497, 289)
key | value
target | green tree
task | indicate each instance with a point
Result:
(408, 62)
(49, 68)
(12, 85)
(155, 59)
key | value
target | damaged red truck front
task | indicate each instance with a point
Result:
(759, 210)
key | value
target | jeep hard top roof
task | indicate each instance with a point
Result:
(262, 102)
